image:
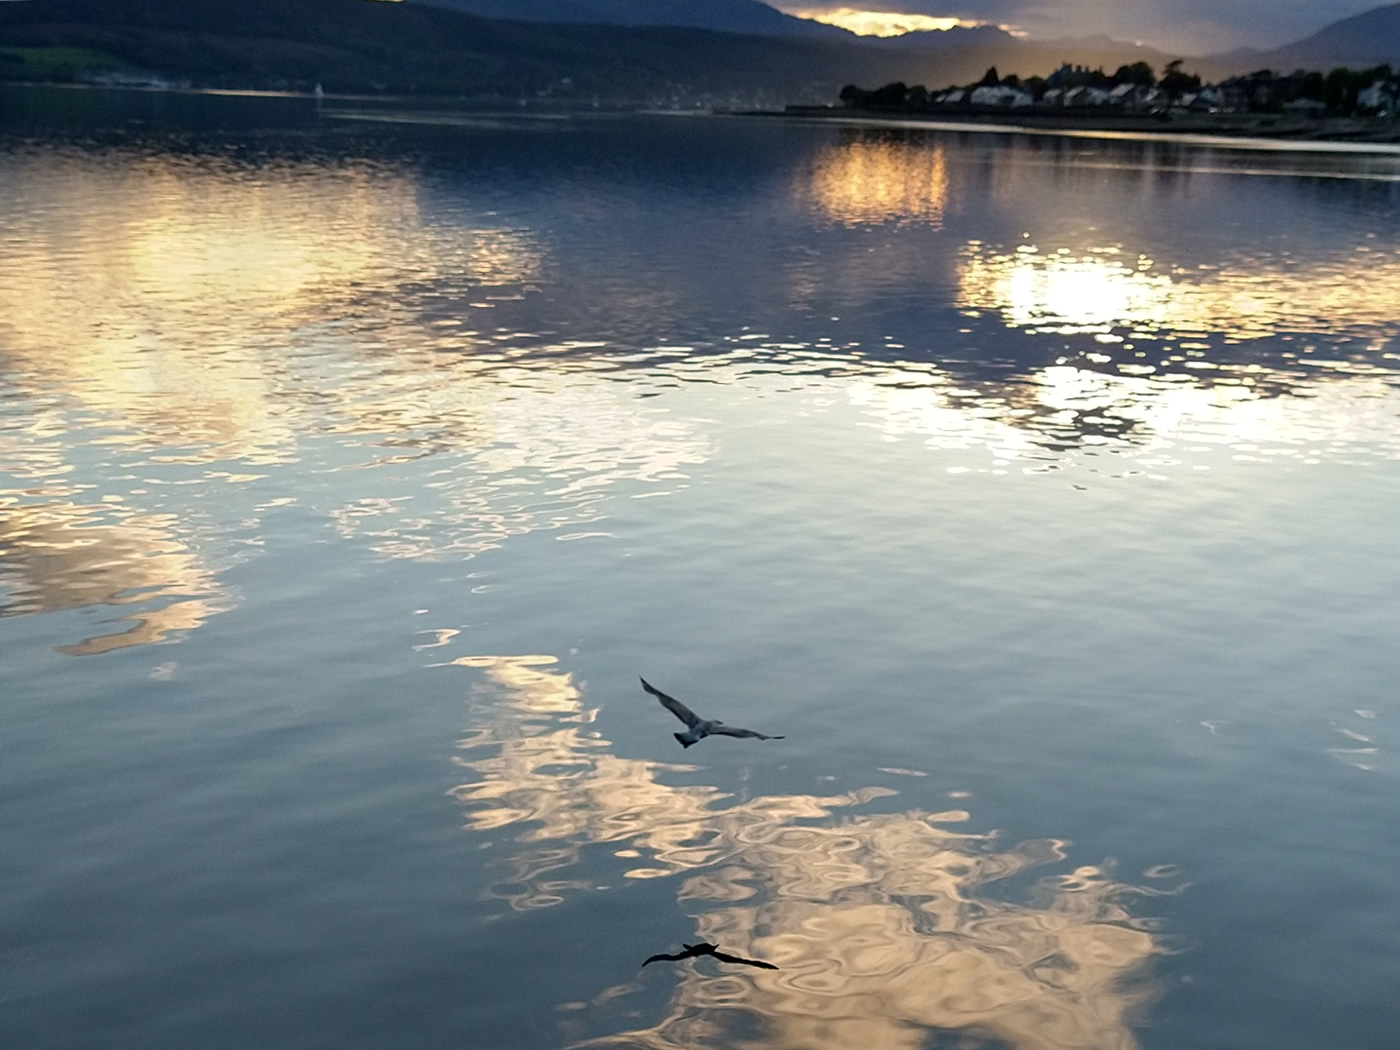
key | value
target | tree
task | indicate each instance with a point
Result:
(1312, 86)
(1175, 83)
(1340, 89)
(1139, 73)
(1375, 73)
(891, 95)
(989, 78)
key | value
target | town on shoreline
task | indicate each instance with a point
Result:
(1343, 105)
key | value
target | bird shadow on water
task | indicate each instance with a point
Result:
(878, 926)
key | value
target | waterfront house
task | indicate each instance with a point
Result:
(1379, 97)
(1086, 96)
(1003, 95)
(1129, 96)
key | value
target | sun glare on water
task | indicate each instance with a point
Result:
(875, 23)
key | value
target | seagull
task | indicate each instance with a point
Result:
(699, 727)
(693, 951)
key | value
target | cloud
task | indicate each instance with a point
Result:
(1190, 27)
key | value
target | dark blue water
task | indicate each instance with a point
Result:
(1041, 492)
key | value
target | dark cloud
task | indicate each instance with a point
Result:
(1193, 27)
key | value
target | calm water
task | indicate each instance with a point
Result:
(1042, 491)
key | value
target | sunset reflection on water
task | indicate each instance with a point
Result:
(1100, 292)
(1017, 483)
(549, 774)
(199, 310)
(878, 922)
(59, 556)
(880, 180)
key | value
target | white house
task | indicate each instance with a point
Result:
(1086, 96)
(1211, 97)
(1379, 96)
(1001, 95)
(1127, 95)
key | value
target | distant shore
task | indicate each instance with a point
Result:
(1282, 127)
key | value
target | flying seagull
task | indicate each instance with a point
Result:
(699, 727)
(694, 951)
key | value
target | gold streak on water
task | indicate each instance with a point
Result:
(1091, 292)
(1147, 420)
(552, 775)
(161, 298)
(193, 312)
(67, 556)
(879, 939)
(871, 180)
(875, 920)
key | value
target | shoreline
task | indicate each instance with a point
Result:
(1242, 130)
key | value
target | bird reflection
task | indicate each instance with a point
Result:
(699, 727)
(883, 920)
(694, 951)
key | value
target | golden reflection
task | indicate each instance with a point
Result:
(876, 178)
(66, 556)
(1152, 423)
(539, 455)
(200, 310)
(1105, 289)
(160, 295)
(875, 920)
(879, 938)
(1150, 381)
(553, 775)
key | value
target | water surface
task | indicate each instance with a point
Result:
(1040, 490)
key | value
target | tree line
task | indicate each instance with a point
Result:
(1339, 92)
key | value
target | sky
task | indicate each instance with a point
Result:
(1191, 27)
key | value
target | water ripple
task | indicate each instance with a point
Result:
(875, 920)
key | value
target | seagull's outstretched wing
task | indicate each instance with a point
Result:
(725, 957)
(673, 705)
(669, 958)
(692, 951)
(725, 730)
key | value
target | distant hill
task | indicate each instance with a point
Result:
(363, 45)
(935, 40)
(1362, 41)
(728, 16)
(431, 48)
(971, 50)
(939, 57)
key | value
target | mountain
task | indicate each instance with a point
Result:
(432, 48)
(417, 47)
(728, 16)
(365, 45)
(1364, 40)
(963, 48)
(936, 40)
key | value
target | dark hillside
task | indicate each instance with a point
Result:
(729, 16)
(359, 45)
(418, 47)
(1362, 41)
(367, 46)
